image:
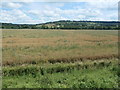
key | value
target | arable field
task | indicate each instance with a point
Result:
(60, 58)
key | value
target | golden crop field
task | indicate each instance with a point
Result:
(39, 46)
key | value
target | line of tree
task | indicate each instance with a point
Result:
(99, 25)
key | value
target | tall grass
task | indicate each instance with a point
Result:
(35, 46)
(60, 59)
(60, 76)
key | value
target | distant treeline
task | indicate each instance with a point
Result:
(63, 24)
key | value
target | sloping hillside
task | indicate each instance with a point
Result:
(66, 25)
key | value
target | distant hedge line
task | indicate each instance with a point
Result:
(100, 25)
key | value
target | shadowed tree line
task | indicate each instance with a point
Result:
(66, 24)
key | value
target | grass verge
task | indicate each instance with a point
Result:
(102, 74)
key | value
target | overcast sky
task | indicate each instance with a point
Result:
(40, 12)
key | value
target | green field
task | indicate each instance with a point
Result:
(60, 59)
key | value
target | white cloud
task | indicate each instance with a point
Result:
(5, 17)
(11, 5)
(14, 16)
(104, 5)
(60, 0)
(36, 13)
